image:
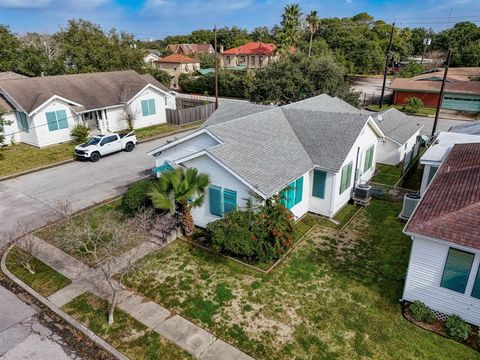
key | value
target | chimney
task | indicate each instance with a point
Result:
(221, 49)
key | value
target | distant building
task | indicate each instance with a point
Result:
(191, 49)
(177, 64)
(462, 89)
(152, 56)
(254, 55)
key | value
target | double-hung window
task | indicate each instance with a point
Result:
(22, 120)
(292, 194)
(346, 177)
(457, 270)
(57, 120)
(222, 201)
(148, 107)
(368, 158)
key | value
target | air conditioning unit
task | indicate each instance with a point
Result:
(410, 201)
(361, 195)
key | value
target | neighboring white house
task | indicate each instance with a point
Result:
(401, 136)
(152, 56)
(43, 110)
(435, 154)
(313, 158)
(443, 271)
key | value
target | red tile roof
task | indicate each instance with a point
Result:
(177, 58)
(255, 48)
(191, 49)
(450, 208)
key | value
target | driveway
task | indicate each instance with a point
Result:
(34, 200)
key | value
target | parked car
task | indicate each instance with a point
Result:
(105, 144)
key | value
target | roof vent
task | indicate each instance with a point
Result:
(380, 118)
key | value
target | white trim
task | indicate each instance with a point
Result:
(288, 183)
(97, 109)
(375, 127)
(205, 152)
(415, 236)
(154, 152)
(54, 97)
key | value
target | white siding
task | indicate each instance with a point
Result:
(425, 270)
(39, 126)
(10, 129)
(367, 138)
(410, 144)
(159, 117)
(425, 176)
(200, 142)
(219, 177)
(389, 152)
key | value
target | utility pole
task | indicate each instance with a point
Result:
(427, 41)
(216, 68)
(442, 88)
(389, 49)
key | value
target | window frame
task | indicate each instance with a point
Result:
(346, 182)
(149, 105)
(442, 284)
(476, 284)
(58, 124)
(368, 163)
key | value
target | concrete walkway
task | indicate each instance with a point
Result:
(188, 336)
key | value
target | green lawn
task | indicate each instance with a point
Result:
(421, 111)
(126, 334)
(335, 297)
(156, 130)
(45, 280)
(22, 157)
(387, 174)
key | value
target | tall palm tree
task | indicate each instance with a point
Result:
(313, 23)
(290, 28)
(182, 189)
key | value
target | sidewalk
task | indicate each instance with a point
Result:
(188, 336)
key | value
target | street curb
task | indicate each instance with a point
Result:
(90, 334)
(63, 162)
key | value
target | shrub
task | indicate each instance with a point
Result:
(80, 133)
(136, 197)
(257, 233)
(413, 104)
(457, 328)
(421, 312)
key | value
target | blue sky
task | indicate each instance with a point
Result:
(157, 18)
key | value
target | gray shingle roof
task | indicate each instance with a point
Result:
(472, 128)
(396, 125)
(230, 110)
(324, 102)
(327, 137)
(262, 149)
(92, 90)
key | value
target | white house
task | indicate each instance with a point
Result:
(401, 135)
(435, 154)
(43, 110)
(151, 56)
(313, 158)
(443, 271)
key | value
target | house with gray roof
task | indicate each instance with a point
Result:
(311, 158)
(402, 133)
(43, 110)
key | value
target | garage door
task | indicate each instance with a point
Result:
(461, 102)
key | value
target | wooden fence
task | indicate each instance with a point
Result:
(186, 115)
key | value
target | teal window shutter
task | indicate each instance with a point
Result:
(298, 190)
(52, 121)
(22, 120)
(476, 285)
(283, 197)
(346, 177)
(368, 158)
(291, 195)
(215, 195)
(319, 182)
(62, 119)
(145, 108)
(229, 200)
(151, 107)
(457, 270)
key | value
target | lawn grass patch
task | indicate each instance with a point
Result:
(387, 174)
(335, 296)
(126, 334)
(22, 157)
(45, 280)
(154, 130)
(425, 111)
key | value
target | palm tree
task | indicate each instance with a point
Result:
(290, 28)
(182, 189)
(313, 23)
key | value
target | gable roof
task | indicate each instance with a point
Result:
(177, 59)
(325, 103)
(255, 48)
(396, 125)
(450, 208)
(190, 49)
(230, 110)
(90, 90)
(472, 128)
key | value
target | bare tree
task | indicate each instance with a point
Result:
(129, 115)
(23, 256)
(102, 241)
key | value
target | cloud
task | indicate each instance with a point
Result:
(167, 7)
(52, 4)
(25, 4)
